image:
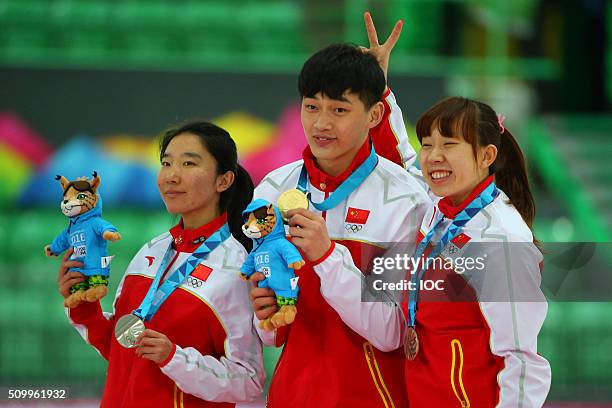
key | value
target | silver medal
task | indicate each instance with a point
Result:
(127, 329)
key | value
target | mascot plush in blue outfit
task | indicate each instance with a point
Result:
(87, 233)
(275, 257)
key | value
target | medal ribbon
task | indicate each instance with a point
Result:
(346, 188)
(485, 198)
(156, 296)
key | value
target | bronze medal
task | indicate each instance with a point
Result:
(127, 329)
(411, 343)
(291, 200)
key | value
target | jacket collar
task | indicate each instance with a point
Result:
(326, 183)
(188, 240)
(450, 211)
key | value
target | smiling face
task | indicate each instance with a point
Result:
(336, 128)
(449, 166)
(188, 181)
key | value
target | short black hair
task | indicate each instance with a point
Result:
(341, 67)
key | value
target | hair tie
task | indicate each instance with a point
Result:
(500, 121)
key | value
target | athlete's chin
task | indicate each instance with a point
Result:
(442, 190)
(174, 208)
(324, 153)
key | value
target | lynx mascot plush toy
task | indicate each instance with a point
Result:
(275, 257)
(87, 233)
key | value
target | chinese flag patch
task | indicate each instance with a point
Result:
(357, 216)
(460, 240)
(202, 272)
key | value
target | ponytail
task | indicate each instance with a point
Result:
(235, 200)
(511, 177)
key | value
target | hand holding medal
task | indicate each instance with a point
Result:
(130, 332)
(153, 346)
(127, 330)
(308, 230)
(292, 200)
(309, 233)
(130, 326)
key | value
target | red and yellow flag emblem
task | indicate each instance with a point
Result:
(357, 215)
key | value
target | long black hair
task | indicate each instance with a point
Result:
(221, 146)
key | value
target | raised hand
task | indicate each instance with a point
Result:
(382, 52)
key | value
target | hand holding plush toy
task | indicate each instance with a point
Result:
(87, 233)
(275, 257)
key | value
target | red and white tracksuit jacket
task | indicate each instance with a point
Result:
(217, 359)
(478, 337)
(332, 351)
(390, 137)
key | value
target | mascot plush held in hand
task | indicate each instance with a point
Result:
(87, 233)
(275, 257)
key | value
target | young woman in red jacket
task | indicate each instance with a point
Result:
(477, 308)
(180, 333)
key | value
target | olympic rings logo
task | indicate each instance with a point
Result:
(194, 282)
(352, 227)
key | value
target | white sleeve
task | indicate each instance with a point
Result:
(514, 309)
(382, 323)
(398, 128)
(238, 375)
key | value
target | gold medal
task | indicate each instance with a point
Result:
(292, 200)
(411, 343)
(127, 329)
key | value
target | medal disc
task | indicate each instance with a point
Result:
(127, 329)
(291, 200)
(411, 343)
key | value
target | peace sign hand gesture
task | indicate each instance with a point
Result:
(382, 52)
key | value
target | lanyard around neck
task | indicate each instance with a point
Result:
(346, 188)
(156, 294)
(485, 198)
